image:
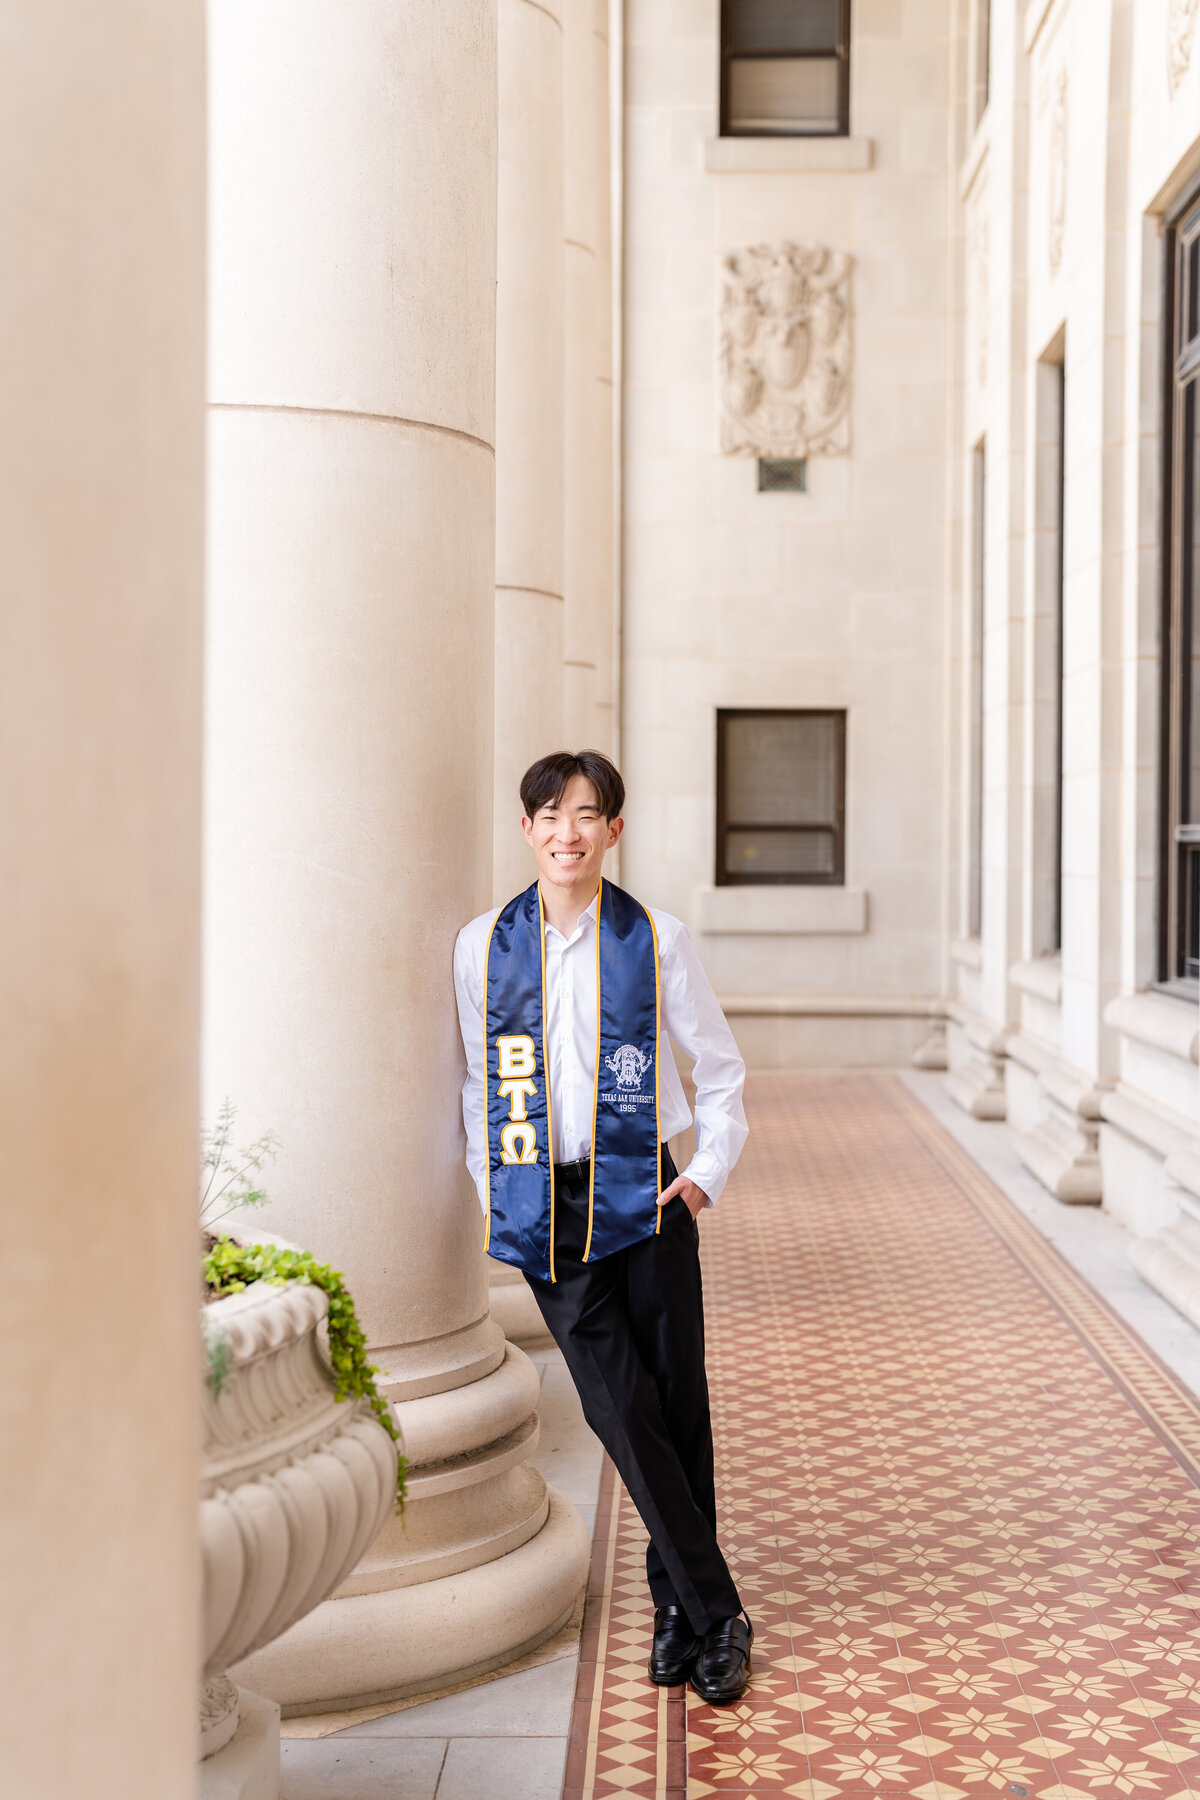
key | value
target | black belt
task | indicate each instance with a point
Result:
(578, 1171)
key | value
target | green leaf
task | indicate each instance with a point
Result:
(230, 1267)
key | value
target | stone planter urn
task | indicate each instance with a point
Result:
(294, 1484)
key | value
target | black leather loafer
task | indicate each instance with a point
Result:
(675, 1647)
(722, 1671)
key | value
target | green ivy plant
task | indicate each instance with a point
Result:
(230, 1267)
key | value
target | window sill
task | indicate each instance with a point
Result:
(1178, 989)
(832, 1006)
(1042, 977)
(804, 155)
(1160, 1021)
(781, 911)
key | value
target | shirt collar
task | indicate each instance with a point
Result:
(583, 923)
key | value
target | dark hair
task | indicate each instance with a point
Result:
(546, 782)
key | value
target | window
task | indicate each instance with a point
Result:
(1059, 408)
(785, 68)
(1179, 868)
(781, 797)
(1046, 626)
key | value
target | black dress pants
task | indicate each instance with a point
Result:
(631, 1329)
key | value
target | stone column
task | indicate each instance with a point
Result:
(352, 570)
(529, 468)
(529, 417)
(588, 503)
(602, 401)
(101, 496)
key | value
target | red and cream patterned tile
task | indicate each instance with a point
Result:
(959, 1494)
(627, 1736)
(950, 1480)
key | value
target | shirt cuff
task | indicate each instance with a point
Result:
(704, 1171)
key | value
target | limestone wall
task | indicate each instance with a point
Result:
(1073, 1028)
(836, 597)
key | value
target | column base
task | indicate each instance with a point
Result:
(1062, 1147)
(1064, 1159)
(976, 1057)
(365, 1649)
(513, 1307)
(933, 1053)
(1169, 1262)
(247, 1768)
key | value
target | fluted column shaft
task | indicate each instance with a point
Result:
(588, 632)
(529, 416)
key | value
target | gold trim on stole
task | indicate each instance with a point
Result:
(487, 1094)
(587, 1249)
(546, 1077)
(657, 1089)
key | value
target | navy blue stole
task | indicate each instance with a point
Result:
(624, 1187)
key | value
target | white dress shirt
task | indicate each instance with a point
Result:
(690, 1015)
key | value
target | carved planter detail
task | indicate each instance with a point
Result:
(785, 352)
(294, 1484)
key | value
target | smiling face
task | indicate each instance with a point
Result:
(570, 837)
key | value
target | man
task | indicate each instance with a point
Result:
(574, 980)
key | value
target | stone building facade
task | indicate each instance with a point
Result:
(836, 598)
(1074, 1000)
(987, 576)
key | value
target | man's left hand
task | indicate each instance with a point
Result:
(694, 1198)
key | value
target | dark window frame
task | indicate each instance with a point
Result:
(976, 685)
(841, 50)
(1179, 839)
(1060, 577)
(981, 28)
(836, 877)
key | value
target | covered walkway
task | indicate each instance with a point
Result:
(959, 1492)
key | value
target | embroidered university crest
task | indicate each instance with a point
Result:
(628, 1064)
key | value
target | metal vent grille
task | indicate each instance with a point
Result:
(783, 477)
(781, 800)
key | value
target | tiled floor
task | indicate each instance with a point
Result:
(959, 1494)
(627, 1736)
(1090, 1239)
(503, 1740)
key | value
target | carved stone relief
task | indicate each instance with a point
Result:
(785, 351)
(1181, 32)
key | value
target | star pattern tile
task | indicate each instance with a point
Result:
(627, 1736)
(959, 1495)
